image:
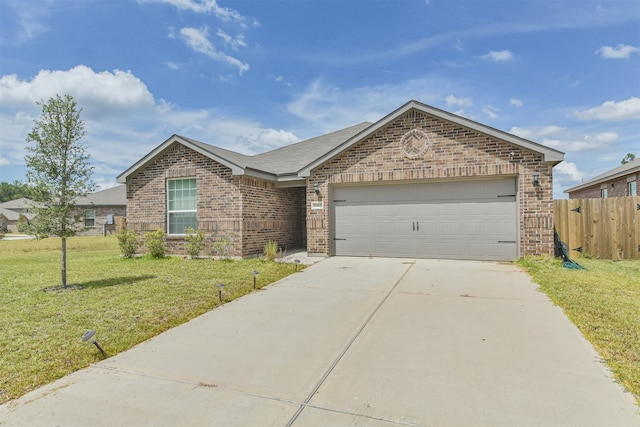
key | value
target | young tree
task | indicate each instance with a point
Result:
(58, 171)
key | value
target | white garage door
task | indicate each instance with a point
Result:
(448, 220)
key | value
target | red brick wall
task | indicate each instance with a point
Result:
(271, 213)
(101, 216)
(615, 188)
(454, 152)
(253, 211)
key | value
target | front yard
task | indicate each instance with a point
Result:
(126, 301)
(603, 301)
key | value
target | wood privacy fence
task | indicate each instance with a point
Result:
(605, 228)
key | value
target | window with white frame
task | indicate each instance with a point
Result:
(604, 193)
(181, 205)
(632, 187)
(89, 217)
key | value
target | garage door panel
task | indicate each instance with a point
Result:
(459, 220)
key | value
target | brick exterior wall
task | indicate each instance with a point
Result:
(101, 215)
(454, 152)
(616, 188)
(253, 211)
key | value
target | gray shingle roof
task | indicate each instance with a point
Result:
(21, 203)
(115, 196)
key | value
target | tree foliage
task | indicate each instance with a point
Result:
(12, 191)
(58, 170)
(628, 158)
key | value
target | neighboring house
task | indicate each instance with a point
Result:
(618, 182)
(99, 209)
(420, 182)
(11, 211)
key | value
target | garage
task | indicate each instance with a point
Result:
(465, 219)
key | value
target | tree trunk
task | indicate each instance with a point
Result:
(64, 262)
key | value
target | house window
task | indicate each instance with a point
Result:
(89, 217)
(604, 193)
(181, 203)
(633, 188)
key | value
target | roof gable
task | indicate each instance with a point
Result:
(550, 155)
(296, 161)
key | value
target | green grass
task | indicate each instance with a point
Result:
(126, 301)
(603, 301)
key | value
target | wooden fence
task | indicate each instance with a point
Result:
(605, 228)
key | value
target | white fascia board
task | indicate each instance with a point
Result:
(596, 181)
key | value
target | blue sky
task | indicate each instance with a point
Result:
(251, 76)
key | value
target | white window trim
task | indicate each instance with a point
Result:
(169, 212)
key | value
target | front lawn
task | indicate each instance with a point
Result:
(126, 301)
(603, 301)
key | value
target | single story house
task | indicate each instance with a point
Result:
(99, 209)
(10, 212)
(420, 182)
(617, 182)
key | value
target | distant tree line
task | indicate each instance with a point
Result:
(12, 191)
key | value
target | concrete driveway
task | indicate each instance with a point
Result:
(354, 341)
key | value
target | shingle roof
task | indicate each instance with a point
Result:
(294, 162)
(21, 203)
(13, 215)
(114, 196)
(622, 170)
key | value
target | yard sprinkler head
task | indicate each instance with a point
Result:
(87, 338)
(220, 286)
(254, 273)
(296, 262)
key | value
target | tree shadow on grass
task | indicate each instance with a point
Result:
(101, 283)
(114, 281)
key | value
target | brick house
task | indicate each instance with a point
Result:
(618, 182)
(420, 182)
(99, 209)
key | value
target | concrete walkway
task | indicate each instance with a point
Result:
(354, 341)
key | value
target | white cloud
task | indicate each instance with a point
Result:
(570, 170)
(498, 56)
(326, 108)
(234, 43)
(197, 39)
(452, 101)
(203, 6)
(564, 139)
(516, 102)
(535, 134)
(109, 92)
(4, 162)
(612, 111)
(587, 143)
(622, 51)
(490, 111)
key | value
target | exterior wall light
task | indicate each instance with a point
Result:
(89, 336)
(316, 188)
(254, 273)
(536, 179)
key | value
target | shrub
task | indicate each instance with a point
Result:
(193, 242)
(154, 240)
(222, 246)
(129, 242)
(271, 250)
